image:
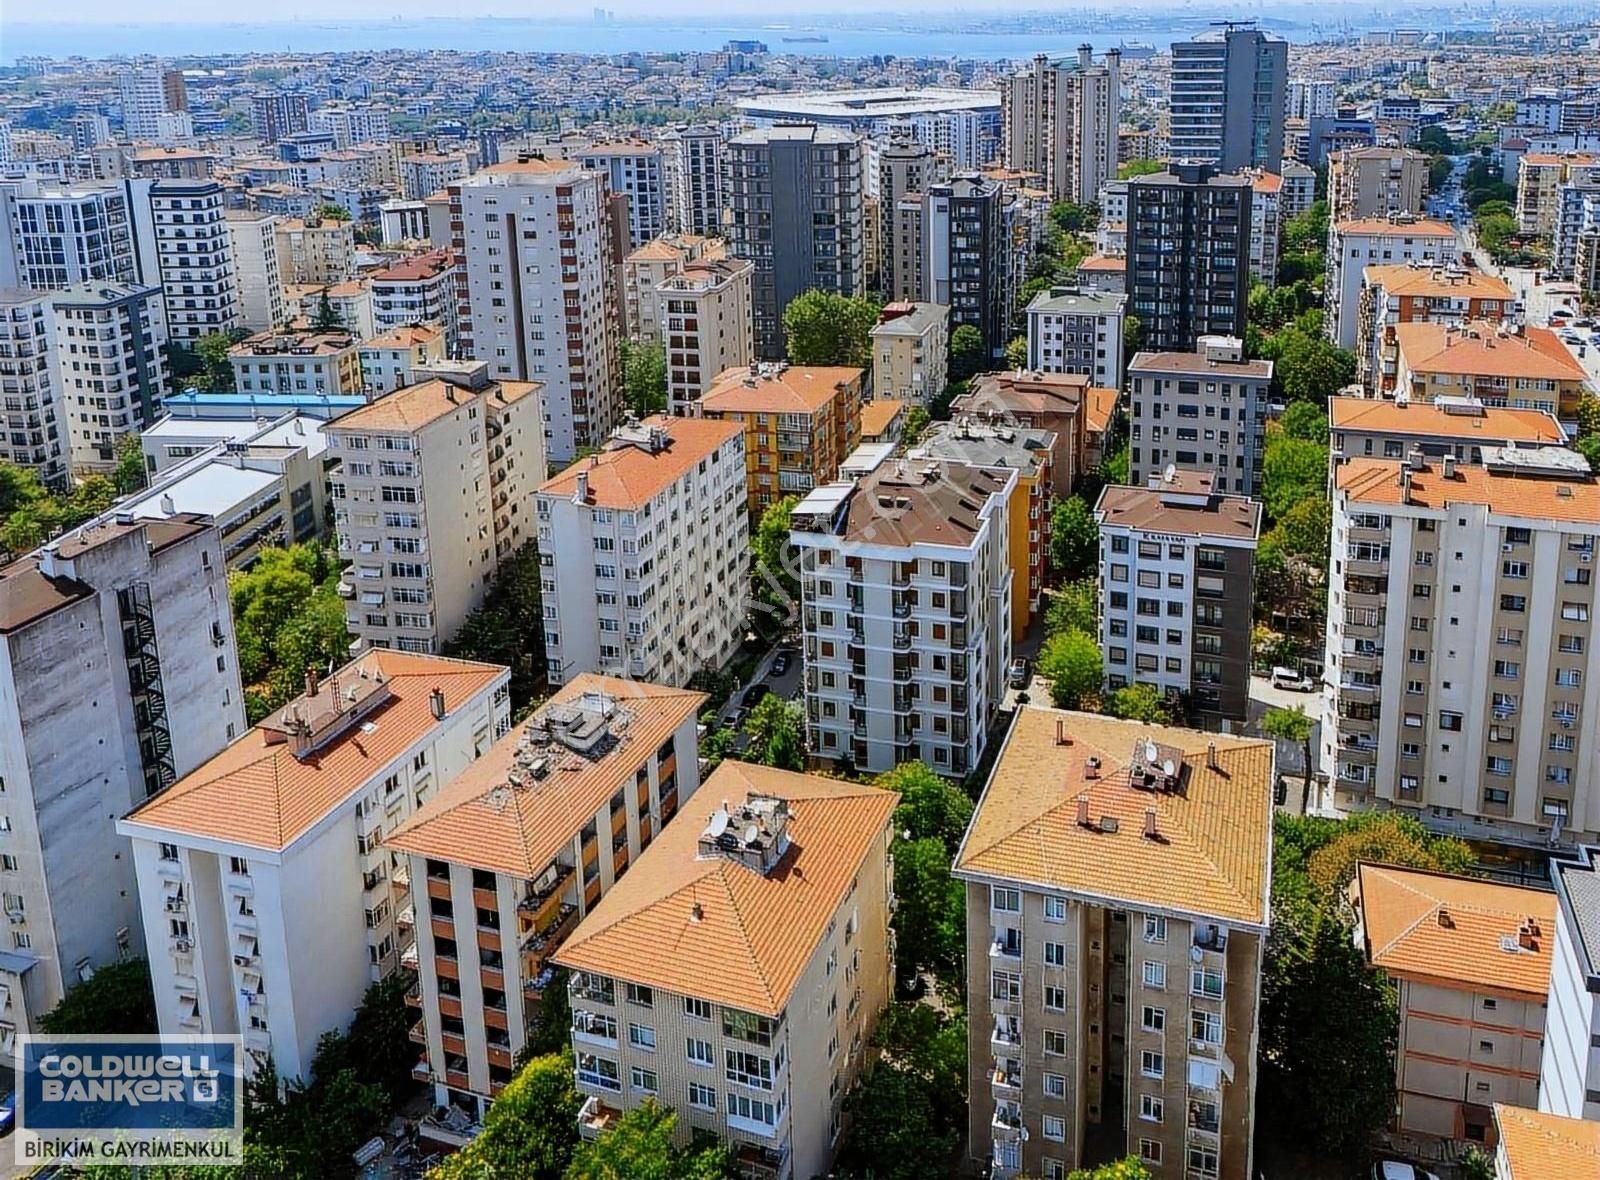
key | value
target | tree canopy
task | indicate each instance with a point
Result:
(824, 328)
(644, 378)
(117, 998)
(776, 729)
(1136, 702)
(1073, 607)
(773, 571)
(1070, 660)
(1074, 539)
(930, 918)
(1128, 169)
(968, 356)
(530, 1132)
(930, 807)
(508, 626)
(640, 1146)
(1292, 469)
(287, 616)
(31, 513)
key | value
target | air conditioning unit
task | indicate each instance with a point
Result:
(1506, 548)
(183, 944)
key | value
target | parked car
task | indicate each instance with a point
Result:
(8, 1113)
(753, 695)
(780, 664)
(1395, 1170)
(1289, 679)
(1018, 675)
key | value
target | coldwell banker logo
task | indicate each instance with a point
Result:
(130, 1099)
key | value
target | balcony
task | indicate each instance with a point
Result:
(538, 945)
(592, 1029)
(1211, 938)
(419, 1033)
(595, 1118)
(1006, 944)
(1005, 1079)
(1006, 1122)
(1006, 1036)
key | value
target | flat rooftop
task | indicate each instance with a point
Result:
(849, 106)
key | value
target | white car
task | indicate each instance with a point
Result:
(1290, 679)
(1395, 1170)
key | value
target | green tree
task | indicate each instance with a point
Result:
(1128, 169)
(329, 211)
(1116, 467)
(508, 626)
(1070, 660)
(1136, 702)
(644, 378)
(895, 1129)
(1123, 1169)
(530, 1132)
(1476, 1165)
(1588, 446)
(640, 1147)
(1292, 469)
(930, 807)
(1292, 725)
(1073, 607)
(1307, 232)
(1074, 539)
(379, 1040)
(327, 318)
(775, 727)
(130, 474)
(1305, 420)
(287, 616)
(117, 998)
(968, 356)
(1132, 338)
(824, 328)
(931, 1046)
(776, 577)
(916, 423)
(1017, 353)
(1072, 218)
(215, 372)
(930, 914)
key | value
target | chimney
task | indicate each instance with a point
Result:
(1211, 756)
(697, 913)
(1445, 920)
(1083, 811)
(312, 680)
(1150, 823)
(1062, 738)
(1526, 940)
(581, 496)
(1405, 486)
(436, 703)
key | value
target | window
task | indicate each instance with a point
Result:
(1055, 1085)
(1205, 1027)
(702, 1097)
(1151, 1108)
(1006, 901)
(1055, 1042)
(748, 1069)
(1153, 1019)
(1205, 981)
(701, 1052)
(699, 1009)
(1150, 1151)
(1003, 985)
(1055, 909)
(1055, 998)
(1055, 1128)
(1155, 928)
(742, 1106)
(1203, 1160)
(1055, 954)
(644, 997)
(1155, 975)
(645, 1080)
(1152, 1064)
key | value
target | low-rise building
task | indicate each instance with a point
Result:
(1177, 568)
(910, 352)
(316, 249)
(417, 290)
(297, 362)
(1103, 272)
(1204, 410)
(1569, 1071)
(1074, 330)
(1371, 428)
(269, 903)
(906, 589)
(425, 173)
(1054, 402)
(1528, 368)
(706, 326)
(883, 420)
(1393, 295)
(393, 358)
(1470, 960)
(643, 548)
(1117, 908)
(341, 307)
(799, 424)
(525, 842)
(682, 993)
(431, 496)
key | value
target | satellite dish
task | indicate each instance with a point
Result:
(1168, 767)
(1149, 751)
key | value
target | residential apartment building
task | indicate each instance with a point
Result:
(1177, 566)
(1353, 246)
(110, 369)
(752, 1039)
(1188, 268)
(911, 352)
(150, 691)
(906, 168)
(1310, 97)
(692, 172)
(799, 424)
(394, 358)
(1459, 641)
(254, 238)
(795, 196)
(350, 123)
(403, 221)
(1577, 223)
(1058, 403)
(499, 851)
(978, 442)
(1299, 188)
(1528, 368)
(34, 414)
(1569, 1071)
(645, 268)
(297, 362)
(1412, 293)
(194, 259)
(643, 548)
(276, 115)
(425, 173)
(1470, 962)
(906, 588)
(634, 170)
(54, 234)
(707, 326)
(969, 249)
(1461, 427)
(537, 298)
(268, 901)
(348, 303)
(1226, 98)
(1204, 410)
(1061, 121)
(1115, 927)
(1266, 225)
(1375, 182)
(1072, 330)
(318, 250)
(430, 497)
(1540, 176)
(147, 94)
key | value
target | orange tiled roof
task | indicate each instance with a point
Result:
(1430, 280)
(414, 406)
(415, 268)
(876, 416)
(1422, 227)
(1556, 159)
(1449, 929)
(405, 336)
(481, 820)
(752, 935)
(627, 476)
(1534, 427)
(793, 390)
(1106, 262)
(1098, 406)
(1373, 481)
(256, 792)
(1438, 348)
(1210, 857)
(1538, 1146)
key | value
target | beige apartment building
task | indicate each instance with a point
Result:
(646, 268)
(254, 237)
(1375, 182)
(1526, 369)
(315, 250)
(1470, 960)
(1460, 642)
(393, 358)
(432, 493)
(526, 840)
(1117, 896)
(297, 363)
(910, 352)
(705, 326)
(1540, 176)
(738, 975)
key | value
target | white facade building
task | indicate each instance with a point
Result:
(705, 327)
(692, 174)
(32, 414)
(111, 371)
(1569, 1071)
(1076, 331)
(195, 257)
(635, 171)
(1355, 245)
(254, 237)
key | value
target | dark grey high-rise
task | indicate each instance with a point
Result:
(1188, 255)
(795, 192)
(968, 244)
(1227, 98)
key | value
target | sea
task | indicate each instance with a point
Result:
(469, 35)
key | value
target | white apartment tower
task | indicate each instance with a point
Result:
(635, 171)
(644, 547)
(430, 496)
(1061, 121)
(111, 371)
(150, 692)
(147, 94)
(537, 298)
(254, 237)
(195, 257)
(906, 588)
(34, 420)
(694, 181)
